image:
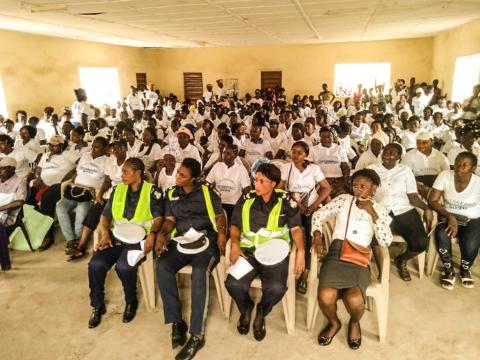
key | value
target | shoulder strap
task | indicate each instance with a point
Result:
(348, 217)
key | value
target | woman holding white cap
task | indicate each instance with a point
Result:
(133, 211)
(261, 225)
(196, 224)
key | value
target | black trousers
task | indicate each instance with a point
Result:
(101, 262)
(93, 216)
(409, 226)
(274, 285)
(168, 264)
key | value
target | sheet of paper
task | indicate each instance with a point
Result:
(134, 256)
(241, 268)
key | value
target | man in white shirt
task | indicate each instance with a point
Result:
(208, 94)
(133, 100)
(82, 112)
(220, 91)
(151, 97)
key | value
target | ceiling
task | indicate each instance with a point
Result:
(221, 23)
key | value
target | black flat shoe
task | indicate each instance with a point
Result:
(326, 340)
(179, 334)
(130, 312)
(243, 325)
(354, 344)
(190, 349)
(96, 317)
(259, 331)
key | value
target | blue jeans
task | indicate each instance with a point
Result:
(468, 240)
(64, 208)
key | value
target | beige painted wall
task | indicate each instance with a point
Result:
(304, 67)
(448, 45)
(37, 71)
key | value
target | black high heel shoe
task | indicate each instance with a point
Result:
(354, 344)
(326, 340)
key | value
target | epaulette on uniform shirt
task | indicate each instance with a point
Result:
(156, 193)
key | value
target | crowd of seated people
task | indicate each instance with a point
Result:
(383, 162)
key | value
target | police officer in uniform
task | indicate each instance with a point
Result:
(133, 201)
(189, 204)
(259, 217)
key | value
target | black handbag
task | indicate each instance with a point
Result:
(77, 193)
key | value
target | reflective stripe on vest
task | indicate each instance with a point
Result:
(142, 216)
(208, 203)
(250, 239)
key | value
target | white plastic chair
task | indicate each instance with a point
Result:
(378, 290)
(146, 274)
(218, 274)
(288, 300)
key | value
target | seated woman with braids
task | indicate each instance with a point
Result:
(358, 218)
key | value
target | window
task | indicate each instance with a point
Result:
(101, 84)
(3, 103)
(466, 76)
(370, 75)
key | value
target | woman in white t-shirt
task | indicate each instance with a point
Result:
(149, 151)
(113, 176)
(27, 139)
(333, 161)
(309, 188)
(78, 145)
(78, 195)
(53, 168)
(23, 156)
(459, 216)
(166, 171)
(255, 147)
(133, 144)
(229, 178)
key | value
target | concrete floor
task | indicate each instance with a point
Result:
(44, 310)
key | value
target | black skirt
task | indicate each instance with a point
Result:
(339, 274)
